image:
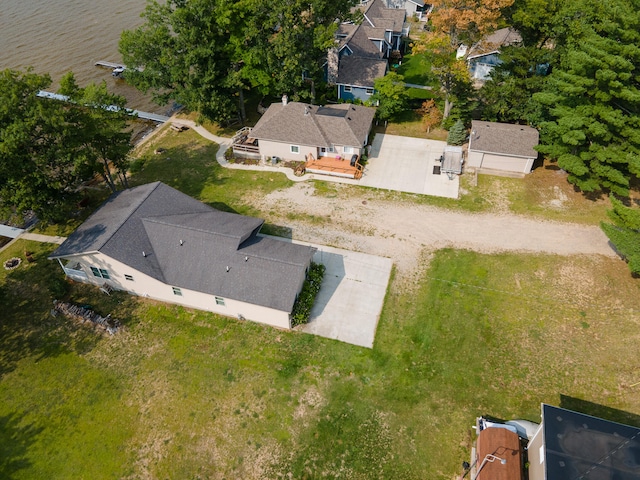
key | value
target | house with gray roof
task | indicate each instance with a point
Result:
(484, 56)
(502, 147)
(156, 242)
(295, 131)
(366, 46)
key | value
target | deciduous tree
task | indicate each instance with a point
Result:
(390, 94)
(431, 114)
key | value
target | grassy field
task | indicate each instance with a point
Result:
(187, 394)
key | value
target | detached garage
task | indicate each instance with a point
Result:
(502, 147)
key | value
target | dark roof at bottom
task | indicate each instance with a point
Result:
(189, 244)
(581, 447)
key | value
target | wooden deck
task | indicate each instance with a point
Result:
(333, 166)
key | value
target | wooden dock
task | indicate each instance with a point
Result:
(154, 117)
(105, 64)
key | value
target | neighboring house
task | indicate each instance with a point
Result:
(485, 55)
(414, 8)
(295, 131)
(356, 76)
(572, 445)
(156, 242)
(502, 147)
(372, 42)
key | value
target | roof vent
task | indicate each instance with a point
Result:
(181, 242)
(306, 110)
(144, 253)
(348, 118)
(246, 259)
(285, 99)
(228, 268)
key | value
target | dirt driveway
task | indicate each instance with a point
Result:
(406, 232)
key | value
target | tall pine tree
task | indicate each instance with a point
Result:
(593, 100)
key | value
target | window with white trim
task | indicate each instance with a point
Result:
(100, 273)
(326, 149)
(220, 301)
(295, 148)
(347, 88)
(177, 291)
(369, 91)
(128, 277)
(348, 149)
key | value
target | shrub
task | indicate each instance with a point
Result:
(302, 308)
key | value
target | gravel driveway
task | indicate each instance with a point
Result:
(404, 231)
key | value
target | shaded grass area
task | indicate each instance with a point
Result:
(187, 394)
(188, 164)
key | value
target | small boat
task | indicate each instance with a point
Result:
(116, 72)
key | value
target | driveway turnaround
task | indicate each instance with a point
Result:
(407, 164)
(350, 300)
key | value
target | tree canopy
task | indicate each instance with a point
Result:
(48, 148)
(390, 95)
(205, 53)
(593, 102)
(624, 233)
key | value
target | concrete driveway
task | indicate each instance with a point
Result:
(351, 297)
(406, 164)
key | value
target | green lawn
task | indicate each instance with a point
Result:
(416, 69)
(187, 394)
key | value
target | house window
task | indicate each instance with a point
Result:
(128, 277)
(177, 291)
(100, 273)
(295, 149)
(347, 88)
(220, 301)
(348, 150)
(326, 149)
(369, 91)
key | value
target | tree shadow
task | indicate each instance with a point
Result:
(15, 440)
(600, 411)
(28, 329)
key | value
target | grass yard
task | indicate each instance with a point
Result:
(187, 394)
(188, 164)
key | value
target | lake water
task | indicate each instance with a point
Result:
(57, 36)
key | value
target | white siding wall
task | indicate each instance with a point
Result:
(283, 150)
(536, 456)
(499, 162)
(145, 286)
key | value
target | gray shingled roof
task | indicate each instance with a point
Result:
(360, 71)
(492, 43)
(301, 124)
(504, 138)
(154, 218)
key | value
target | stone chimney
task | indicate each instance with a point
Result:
(332, 66)
(285, 99)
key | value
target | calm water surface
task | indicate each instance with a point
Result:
(57, 36)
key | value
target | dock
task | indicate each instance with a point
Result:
(154, 117)
(105, 64)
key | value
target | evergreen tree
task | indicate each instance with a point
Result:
(593, 100)
(457, 134)
(624, 233)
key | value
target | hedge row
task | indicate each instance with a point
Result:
(302, 307)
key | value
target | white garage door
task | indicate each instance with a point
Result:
(500, 162)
